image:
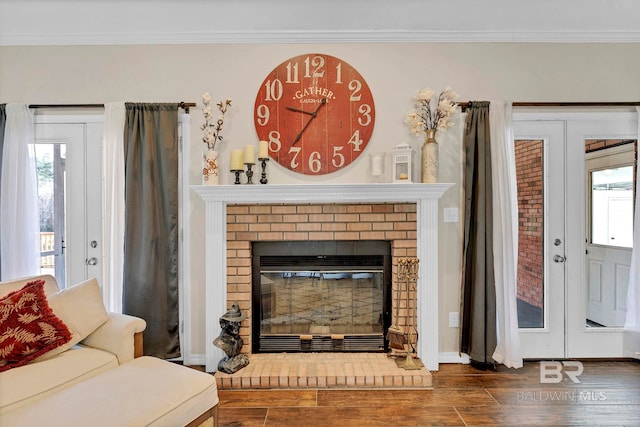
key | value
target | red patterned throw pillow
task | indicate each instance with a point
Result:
(28, 326)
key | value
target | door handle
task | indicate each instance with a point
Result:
(559, 258)
(94, 261)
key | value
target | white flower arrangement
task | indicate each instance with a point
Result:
(423, 118)
(213, 130)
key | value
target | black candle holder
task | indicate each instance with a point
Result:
(263, 163)
(249, 172)
(237, 172)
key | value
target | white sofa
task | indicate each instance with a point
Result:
(98, 378)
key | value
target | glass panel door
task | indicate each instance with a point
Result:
(540, 153)
(599, 224)
(61, 155)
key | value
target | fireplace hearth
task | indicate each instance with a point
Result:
(319, 296)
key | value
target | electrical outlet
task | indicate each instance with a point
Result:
(450, 215)
(454, 319)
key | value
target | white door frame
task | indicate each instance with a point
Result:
(184, 246)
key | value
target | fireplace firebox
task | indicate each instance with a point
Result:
(321, 296)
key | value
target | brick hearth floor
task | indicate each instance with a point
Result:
(323, 370)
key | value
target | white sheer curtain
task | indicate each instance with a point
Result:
(20, 222)
(505, 234)
(632, 323)
(113, 202)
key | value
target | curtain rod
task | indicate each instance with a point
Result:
(183, 105)
(464, 105)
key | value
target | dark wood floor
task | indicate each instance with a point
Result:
(608, 394)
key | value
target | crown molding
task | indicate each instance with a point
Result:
(123, 22)
(358, 36)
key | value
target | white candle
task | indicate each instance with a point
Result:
(377, 165)
(249, 154)
(236, 160)
(263, 149)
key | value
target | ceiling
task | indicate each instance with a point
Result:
(87, 22)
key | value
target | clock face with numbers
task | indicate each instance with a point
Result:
(316, 112)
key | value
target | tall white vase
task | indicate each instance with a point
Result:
(210, 169)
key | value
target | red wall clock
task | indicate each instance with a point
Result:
(317, 113)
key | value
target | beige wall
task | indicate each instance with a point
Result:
(394, 71)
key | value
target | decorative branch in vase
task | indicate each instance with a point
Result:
(425, 119)
(212, 134)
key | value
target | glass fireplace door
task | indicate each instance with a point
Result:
(320, 303)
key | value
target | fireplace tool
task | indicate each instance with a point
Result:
(411, 279)
(395, 334)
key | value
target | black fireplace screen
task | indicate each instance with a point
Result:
(333, 300)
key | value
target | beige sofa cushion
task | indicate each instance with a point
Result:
(81, 309)
(50, 284)
(29, 383)
(144, 392)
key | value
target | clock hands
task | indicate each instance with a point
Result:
(313, 116)
(297, 110)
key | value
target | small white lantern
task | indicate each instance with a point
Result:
(402, 163)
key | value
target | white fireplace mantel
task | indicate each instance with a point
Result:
(425, 196)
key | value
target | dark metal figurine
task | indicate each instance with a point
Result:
(230, 341)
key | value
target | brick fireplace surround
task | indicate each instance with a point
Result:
(395, 222)
(236, 215)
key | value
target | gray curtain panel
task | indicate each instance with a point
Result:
(3, 121)
(478, 305)
(150, 279)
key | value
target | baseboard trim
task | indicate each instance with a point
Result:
(453, 357)
(194, 359)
